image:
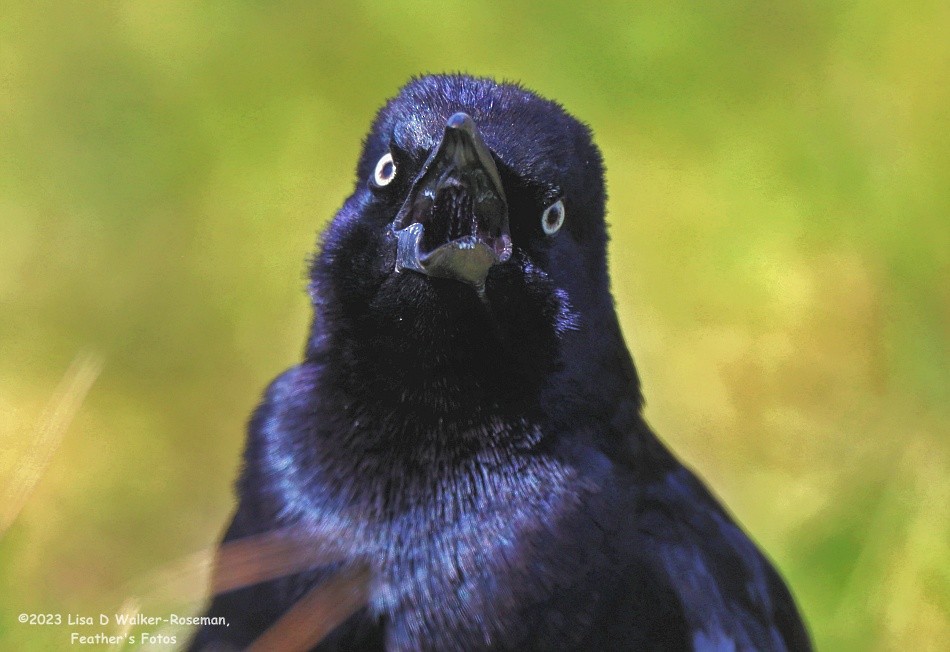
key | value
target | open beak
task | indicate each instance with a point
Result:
(454, 222)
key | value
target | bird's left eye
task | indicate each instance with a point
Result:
(553, 217)
(385, 171)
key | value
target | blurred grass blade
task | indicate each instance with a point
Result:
(263, 557)
(239, 563)
(57, 416)
(131, 608)
(317, 613)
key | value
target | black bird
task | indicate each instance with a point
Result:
(467, 423)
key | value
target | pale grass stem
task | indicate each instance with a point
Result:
(48, 435)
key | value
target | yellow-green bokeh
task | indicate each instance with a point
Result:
(779, 178)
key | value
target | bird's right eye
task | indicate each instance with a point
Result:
(385, 171)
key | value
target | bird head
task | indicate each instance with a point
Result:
(475, 235)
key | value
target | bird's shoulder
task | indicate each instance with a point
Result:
(728, 594)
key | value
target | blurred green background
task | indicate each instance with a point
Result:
(779, 179)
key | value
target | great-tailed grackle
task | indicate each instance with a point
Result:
(466, 422)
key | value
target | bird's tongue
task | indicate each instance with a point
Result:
(454, 222)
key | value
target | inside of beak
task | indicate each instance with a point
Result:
(454, 221)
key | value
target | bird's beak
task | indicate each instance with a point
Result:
(454, 222)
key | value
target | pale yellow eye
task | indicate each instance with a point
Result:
(385, 171)
(553, 217)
